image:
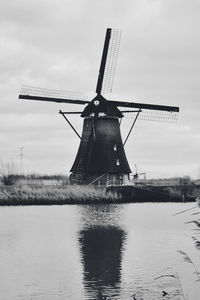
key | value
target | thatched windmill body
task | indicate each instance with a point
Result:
(101, 156)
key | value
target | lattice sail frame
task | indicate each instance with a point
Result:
(51, 93)
(151, 115)
(111, 61)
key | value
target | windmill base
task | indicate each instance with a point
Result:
(106, 179)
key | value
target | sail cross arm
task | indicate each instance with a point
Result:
(41, 94)
(108, 61)
(148, 112)
(146, 106)
(51, 99)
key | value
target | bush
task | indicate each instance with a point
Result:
(8, 173)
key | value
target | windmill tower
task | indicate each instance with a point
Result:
(101, 156)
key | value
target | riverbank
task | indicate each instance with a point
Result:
(70, 194)
(51, 195)
(152, 193)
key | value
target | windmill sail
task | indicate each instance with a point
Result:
(153, 115)
(150, 112)
(108, 61)
(42, 94)
(101, 156)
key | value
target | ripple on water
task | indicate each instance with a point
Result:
(90, 251)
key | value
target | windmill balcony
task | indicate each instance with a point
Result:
(118, 180)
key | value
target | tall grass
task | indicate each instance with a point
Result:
(176, 276)
(45, 195)
(196, 240)
(190, 261)
(8, 173)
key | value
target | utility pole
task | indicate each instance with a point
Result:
(21, 157)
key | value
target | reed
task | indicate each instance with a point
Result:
(190, 261)
(176, 276)
(196, 240)
(46, 195)
(8, 173)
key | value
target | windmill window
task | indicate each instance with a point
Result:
(115, 147)
(96, 102)
(102, 114)
(118, 163)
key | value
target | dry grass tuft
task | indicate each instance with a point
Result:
(46, 195)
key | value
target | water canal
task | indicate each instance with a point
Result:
(85, 252)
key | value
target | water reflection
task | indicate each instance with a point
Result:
(102, 215)
(101, 248)
(87, 252)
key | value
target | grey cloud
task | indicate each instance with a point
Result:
(59, 44)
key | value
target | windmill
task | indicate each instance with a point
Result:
(137, 174)
(101, 156)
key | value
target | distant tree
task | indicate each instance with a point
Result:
(186, 180)
(8, 173)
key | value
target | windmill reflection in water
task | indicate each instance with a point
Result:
(101, 245)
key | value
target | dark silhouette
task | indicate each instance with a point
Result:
(164, 293)
(101, 258)
(101, 156)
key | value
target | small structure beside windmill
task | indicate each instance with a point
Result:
(101, 157)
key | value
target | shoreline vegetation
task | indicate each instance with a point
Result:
(52, 195)
(34, 189)
(26, 194)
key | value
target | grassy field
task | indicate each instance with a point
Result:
(48, 195)
(34, 189)
(80, 194)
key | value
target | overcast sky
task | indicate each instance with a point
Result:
(58, 44)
